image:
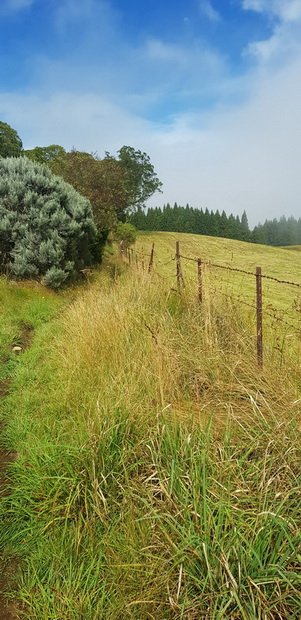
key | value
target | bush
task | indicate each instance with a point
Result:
(46, 227)
(125, 234)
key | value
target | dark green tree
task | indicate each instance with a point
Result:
(223, 225)
(245, 231)
(10, 143)
(141, 179)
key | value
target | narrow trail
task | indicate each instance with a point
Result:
(9, 608)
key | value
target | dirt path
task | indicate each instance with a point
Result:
(9, 608)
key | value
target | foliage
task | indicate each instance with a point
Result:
(10, 143)
(101, 181)
(45, 154)
(113, 186)
(46, 227)
(190, 220)
(125, 234)
(158, 469)
(286, 231)
(142, 181)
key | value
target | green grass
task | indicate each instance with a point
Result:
(23, 308)
(159, 471)
(235, 254)
(281, 302)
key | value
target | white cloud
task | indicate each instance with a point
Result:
(246, 158)
(286, 21)
(92, 11)
(17, 5)
(207, 9)
(197, 64)
(279, 45)
(86, 121)
(285, 10)
(161, 51)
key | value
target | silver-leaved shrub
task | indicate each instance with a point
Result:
(46, 226)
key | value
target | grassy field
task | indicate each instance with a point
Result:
(281, 302)
(296, 248)
(275, 262)
(158, 470)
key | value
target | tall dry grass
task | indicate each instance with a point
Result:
(140, 345)
(159, 473)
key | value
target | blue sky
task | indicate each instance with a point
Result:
(210, 89)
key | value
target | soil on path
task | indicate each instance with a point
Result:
(9, 608)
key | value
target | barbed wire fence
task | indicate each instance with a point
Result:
(147, 262)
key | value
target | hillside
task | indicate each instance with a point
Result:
(237, 254)
(280, 300)
(158, 469)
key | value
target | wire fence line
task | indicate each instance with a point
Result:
(149, 260)
(249, 273)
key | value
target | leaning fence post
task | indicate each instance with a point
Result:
(200, 281)
(180, 279)
(151, 259)
(259, 316)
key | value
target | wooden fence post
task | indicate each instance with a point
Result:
(200, 281)
(180, 279)
(151, 259)
(259, 316)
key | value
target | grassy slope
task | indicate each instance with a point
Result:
(297, 248)
(225, 251)
(158, 471)
(236, 254)
(281, 302)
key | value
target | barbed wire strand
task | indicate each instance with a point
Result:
(234, 269)
(249, 273)
(273, 316)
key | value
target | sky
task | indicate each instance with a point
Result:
(209, 89)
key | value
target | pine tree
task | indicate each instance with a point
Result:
(245, 231)
(223, 225)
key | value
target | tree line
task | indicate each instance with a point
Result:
(286, 231)
(190, 220)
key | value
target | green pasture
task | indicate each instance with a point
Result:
(281, 302)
